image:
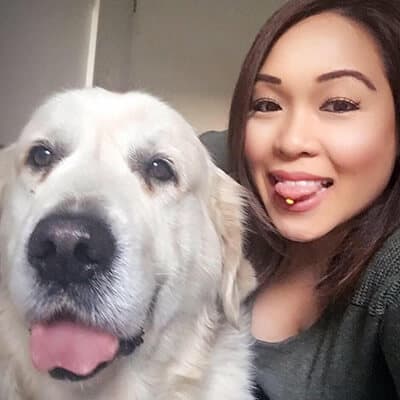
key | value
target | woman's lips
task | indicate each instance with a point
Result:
(298, 191)
(282, 175)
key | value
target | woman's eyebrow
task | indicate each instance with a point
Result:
(324, 77)
(268, 78)
(347, 72)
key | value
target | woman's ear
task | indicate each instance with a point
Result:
(227, 212)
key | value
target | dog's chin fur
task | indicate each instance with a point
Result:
(179, 275)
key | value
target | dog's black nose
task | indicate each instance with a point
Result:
(69, 248)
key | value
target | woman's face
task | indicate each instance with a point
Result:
(320, 138)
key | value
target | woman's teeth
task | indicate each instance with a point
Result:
(325, 183)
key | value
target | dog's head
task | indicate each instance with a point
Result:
(113, 221)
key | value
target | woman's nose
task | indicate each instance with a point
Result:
(297, 137)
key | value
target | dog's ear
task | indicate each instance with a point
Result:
(6, 158)
(227, 212)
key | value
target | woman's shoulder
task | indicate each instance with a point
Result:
(380, 285)
(216, 142)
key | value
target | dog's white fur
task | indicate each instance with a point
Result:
(180, 239)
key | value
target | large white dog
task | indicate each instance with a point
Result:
(121, 267)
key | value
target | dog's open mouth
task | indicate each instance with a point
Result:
(70, 350)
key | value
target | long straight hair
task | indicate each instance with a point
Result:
(366, 231)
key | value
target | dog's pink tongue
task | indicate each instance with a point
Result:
(296, 192)
(76, 348)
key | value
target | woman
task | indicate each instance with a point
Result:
(313, 135)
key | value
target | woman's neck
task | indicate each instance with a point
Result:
(315, 255)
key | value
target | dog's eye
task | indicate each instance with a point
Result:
(40, 156)
(161, 170)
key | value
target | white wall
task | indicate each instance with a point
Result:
(43, 48)
(189, 52)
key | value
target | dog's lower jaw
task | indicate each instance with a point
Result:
(63, 374)
(147, 374)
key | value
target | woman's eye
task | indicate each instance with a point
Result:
(40, 156)
(265, 105)
(340, 105)
(160, 170)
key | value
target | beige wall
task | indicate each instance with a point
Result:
(186, 51)
(113, 51)
(43, 48)
(189, 52)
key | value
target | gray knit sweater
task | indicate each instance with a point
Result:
(354, 354)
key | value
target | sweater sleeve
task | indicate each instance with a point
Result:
(390, 341)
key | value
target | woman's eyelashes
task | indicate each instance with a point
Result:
(336, 105)
(340, 105)
(265, 105)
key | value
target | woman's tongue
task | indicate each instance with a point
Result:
(71, 346)
(296, 190)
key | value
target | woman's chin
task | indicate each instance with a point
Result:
(302, 234)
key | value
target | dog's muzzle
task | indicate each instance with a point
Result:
(70, 253)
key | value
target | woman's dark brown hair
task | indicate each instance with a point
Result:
(367, 231)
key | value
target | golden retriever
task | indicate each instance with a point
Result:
(121, 266)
